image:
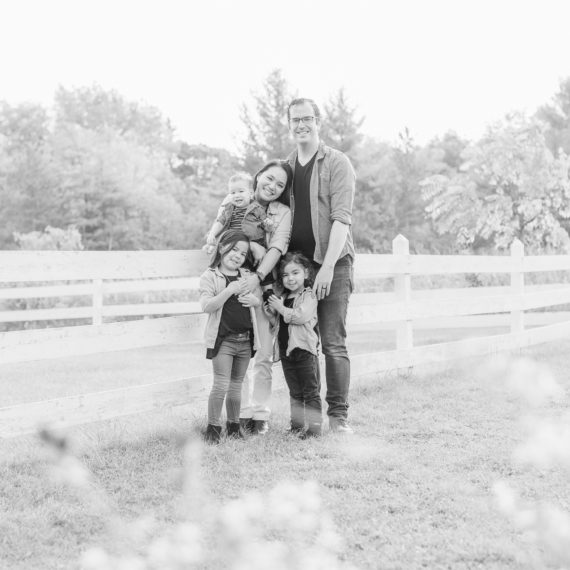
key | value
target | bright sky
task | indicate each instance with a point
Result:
(430, 65)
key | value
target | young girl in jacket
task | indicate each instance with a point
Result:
(298, 342)
(229, 331)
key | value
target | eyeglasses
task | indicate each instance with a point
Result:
(308, 120)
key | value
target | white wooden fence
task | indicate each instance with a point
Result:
(95, 275)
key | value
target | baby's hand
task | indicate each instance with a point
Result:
(257, 251)
(209, 249)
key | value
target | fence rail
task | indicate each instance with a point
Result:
(96, 275)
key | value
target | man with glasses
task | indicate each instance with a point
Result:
(321, 204)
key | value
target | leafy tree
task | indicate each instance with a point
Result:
(205, 172)
(340, 126)
(510, 186)
(96, 109)
(119, 186)
(27, 177)
(556, 115)
(388, 197)
(450, 149)
(374, 203)
(121, 195)
(267, 133)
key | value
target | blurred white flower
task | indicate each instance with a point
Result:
(131, 563)
(509, 503)
(547, 446)
(506, 498)
(140, 530)
(187, 546)
(95, 559)
(554, 533)
(283, 529)
(159, 553)
(261, 556)
(70, 471)
(328, 538)
(532, 381)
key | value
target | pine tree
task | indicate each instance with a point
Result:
(340, 126)
(265, 121)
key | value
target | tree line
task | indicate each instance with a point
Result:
(99, 172)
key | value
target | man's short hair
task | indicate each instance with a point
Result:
(302, 101)
(241, 175)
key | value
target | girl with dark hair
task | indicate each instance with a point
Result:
(229, 333)
(298, 343)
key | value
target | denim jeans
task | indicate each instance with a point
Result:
(332, 312)
(301, 371)
(230, 366)
(256, 399)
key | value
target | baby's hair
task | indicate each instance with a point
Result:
(300, 259)
(242, 175)
(226, 242)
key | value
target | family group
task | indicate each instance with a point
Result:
(278, 286)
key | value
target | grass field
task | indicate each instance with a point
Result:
(411, 489)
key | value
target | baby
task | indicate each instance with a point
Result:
(240, 211)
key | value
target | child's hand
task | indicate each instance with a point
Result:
(249, 300)
(245, 285)
(276, 304)
(268, 310)
(235, 288)
(209, 249)
(211, 239)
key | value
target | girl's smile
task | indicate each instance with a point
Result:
(233, 259)
(294, 276)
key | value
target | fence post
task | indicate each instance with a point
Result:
(97, 301)
(402, 289)
(517, 286)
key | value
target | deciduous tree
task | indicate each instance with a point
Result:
(510, 186)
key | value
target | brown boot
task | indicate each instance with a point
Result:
(247, 425)
(233, 430)
(261, 427)
(213, 433)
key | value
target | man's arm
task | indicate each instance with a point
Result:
(324, 277)
(343, 183)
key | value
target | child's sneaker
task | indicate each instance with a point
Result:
(340, 425)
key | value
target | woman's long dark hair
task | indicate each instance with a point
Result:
(226, 242)
(284, 198)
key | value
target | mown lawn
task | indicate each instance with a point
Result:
(411, 489)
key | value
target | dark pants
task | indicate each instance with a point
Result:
(301, 371)
(332, 312)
